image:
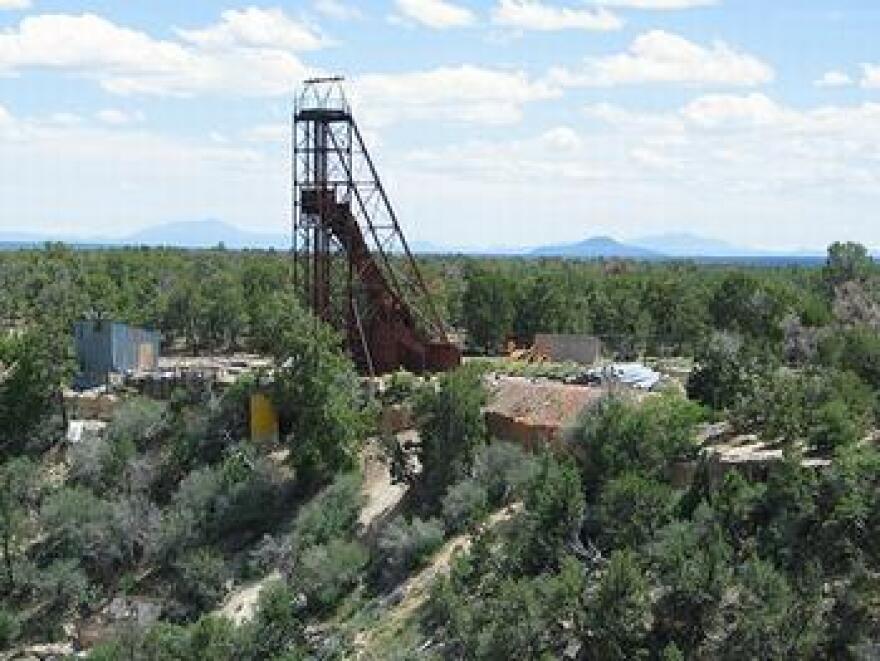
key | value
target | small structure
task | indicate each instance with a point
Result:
(583, 349)
(84, 430)
(105, 347)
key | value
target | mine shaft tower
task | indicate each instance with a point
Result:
(352, 264)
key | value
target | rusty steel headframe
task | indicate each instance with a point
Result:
(352, 264)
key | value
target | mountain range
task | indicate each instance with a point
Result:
(211, 232)
(185, 234)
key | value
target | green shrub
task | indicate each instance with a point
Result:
(326, 572)
(404, 545)
(621, 436)
(277, 626)
(554, 512)
(99, 463)
(9, 628)
(81, 525)
(451, 429)
(505, 470)
(201, 576)
(65, 585)
(401, 387)
(333, 513)
(464, 505)
(139, 420)
(632, 508)
(833, 426)
(241, 497)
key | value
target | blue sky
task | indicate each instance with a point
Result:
(501, 122)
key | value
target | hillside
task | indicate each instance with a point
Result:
(505, 509)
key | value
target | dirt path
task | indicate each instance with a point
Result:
(413, 592)
(381, 495)
(241, 604)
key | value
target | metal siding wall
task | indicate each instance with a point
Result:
(93, 351)
(126, 346)
(93, 347)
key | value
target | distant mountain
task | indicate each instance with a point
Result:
(187, 234)
(692, 245)
(205, 234)
(430, 248)
(593, 248)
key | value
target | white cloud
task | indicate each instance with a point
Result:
(662, 57)
(64, 119)
(272, 133)
(535, 15)
(716, 110)
(117, 117)
(14, 4)
(748, 158)
(437, 14)
(515, 161)
(627, 119)
(126, 61)
(871, 76)
(715, 143)
(112, 180)
(337, 10)
(456, 94)
(834, 79)
(657, 4)
(254, 28)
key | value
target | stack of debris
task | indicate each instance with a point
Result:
(633, 375)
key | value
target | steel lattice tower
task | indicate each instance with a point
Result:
(352, 264)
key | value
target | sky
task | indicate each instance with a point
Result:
(492, 122)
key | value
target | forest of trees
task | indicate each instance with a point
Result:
(589, 553)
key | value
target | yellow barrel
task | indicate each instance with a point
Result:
(264, 419)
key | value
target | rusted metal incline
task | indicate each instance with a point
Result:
(352, 262)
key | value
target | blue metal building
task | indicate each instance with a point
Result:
(106, 347)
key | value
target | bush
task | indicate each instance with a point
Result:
(405, 545)
(202, 575)
(726, 369)
(326, 572)
(139, 420)
(81, 525)
(320, 404)
(505, 470)
(620, 437)
(240, 497)
(464, 505)
(767, 620)
(554, 511)
(333, 513)
(99, 463)
(833, 426)
(452, 429)
(64, 585)
(277, 626)
(619, 611)
(632, 508)
(401, 387)
(9, 628)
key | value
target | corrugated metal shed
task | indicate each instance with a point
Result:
(106, 347)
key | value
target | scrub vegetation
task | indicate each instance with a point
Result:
(588, 551)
